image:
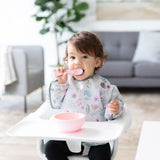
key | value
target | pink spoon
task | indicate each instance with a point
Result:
(74, 72)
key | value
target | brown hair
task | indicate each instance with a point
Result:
(89, 43)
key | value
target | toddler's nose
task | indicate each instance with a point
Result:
(78, 61)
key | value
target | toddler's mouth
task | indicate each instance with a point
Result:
(81, 72)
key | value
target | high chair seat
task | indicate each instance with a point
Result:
(41, 147)
(46, 112)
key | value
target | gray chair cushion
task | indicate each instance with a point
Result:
(117, 69)
(147, 69)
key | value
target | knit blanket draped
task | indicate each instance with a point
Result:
(7, 69)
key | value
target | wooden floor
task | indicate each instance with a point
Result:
(18, 152)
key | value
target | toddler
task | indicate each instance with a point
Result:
(87, 92)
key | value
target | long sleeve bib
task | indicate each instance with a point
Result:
(90, 96)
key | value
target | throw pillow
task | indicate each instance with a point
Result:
(148, 47)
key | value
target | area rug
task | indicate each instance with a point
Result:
(143, 106)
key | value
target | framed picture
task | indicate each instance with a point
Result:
(127, 9)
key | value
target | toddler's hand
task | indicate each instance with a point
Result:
(113, 107)
(63, 78)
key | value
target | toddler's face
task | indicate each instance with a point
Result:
(79, 60)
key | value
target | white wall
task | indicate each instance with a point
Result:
(17, 27)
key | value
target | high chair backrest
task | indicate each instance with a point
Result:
(45, 112)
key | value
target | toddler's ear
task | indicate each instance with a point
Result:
(98, 62)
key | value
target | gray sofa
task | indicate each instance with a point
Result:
(119, 68)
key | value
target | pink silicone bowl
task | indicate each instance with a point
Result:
(69, 121)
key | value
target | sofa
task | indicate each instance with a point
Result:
(121, 69)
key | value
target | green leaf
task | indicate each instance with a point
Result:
(41, 2)
(39, 18)
(74, 3)
(69, 13)
(59, 5)
(44, 30)
(82, 6)
(60, 23)
(46, 20)
(43, 8)
(70, 29)
(62, 30)
(78, 17)
(60, 43)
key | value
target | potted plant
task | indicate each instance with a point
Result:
(57, 17)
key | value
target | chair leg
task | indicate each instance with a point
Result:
(42, 93)
(25, 104)
(115, 148)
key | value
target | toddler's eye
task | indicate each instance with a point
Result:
(72, 57)
(85, 57)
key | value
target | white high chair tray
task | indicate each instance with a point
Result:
(35, 127)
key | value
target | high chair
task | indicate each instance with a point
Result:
(123, 123)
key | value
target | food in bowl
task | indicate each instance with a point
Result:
(69, 121)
